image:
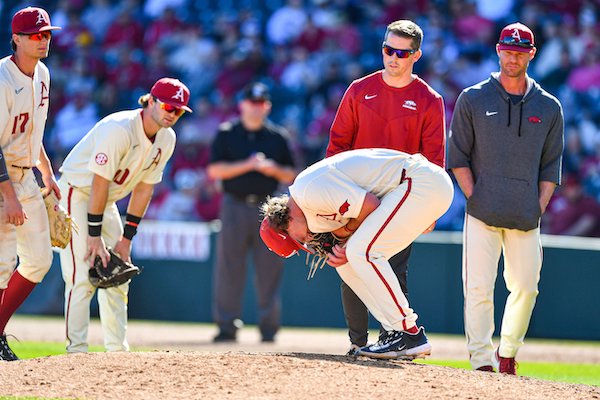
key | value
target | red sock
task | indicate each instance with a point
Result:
(17, 291)
(413, 331)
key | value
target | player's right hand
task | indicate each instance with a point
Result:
(13, 211)
(96, 247)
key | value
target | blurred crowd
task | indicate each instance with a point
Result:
(307, 51)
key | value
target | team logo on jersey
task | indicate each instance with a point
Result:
(410, 104)
(179, 95)
(535, 120)
(101, 158)
(44, 95)
(344, 208)
(155, 160)
(328, 217)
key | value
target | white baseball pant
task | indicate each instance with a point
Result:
(31, 241)
(482, 246)
(78, 289)
(402, 216)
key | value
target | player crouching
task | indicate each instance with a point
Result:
(377, 202)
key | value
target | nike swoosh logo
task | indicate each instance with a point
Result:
(17, 91)
(490, 113)
(369, 97)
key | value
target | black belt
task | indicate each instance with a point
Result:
(18, 166)
(251, 199)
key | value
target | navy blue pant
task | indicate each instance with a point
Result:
(239, 238)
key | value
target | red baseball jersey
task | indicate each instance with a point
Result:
(373, 114)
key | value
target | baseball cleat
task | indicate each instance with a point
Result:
(6, 354)
(399, 345)
(506, 365)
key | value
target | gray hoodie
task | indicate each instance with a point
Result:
(509, 147)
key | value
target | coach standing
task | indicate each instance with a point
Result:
(505, 146)
(251, 156)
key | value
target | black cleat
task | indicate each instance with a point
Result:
(6, 354)
(397, 344)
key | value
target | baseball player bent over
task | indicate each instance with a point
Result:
(126, 152)
(379, 201)
(24, 230)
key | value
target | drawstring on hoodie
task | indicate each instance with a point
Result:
(508, 102)
(520, 116)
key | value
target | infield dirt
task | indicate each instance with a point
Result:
(301, 364)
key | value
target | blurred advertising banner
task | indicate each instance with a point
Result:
(188, 241)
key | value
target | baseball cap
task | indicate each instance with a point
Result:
(32, 20)
(279, 242)
(256, 91)
(516, 37)
(173, 92)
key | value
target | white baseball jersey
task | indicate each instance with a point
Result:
(117, 149)
(413, 192)
(23, 112)
(378, 171)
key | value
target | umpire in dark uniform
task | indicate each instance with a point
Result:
(251, 156)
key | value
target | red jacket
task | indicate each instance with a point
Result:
(373, 114)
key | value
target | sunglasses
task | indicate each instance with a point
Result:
(511, 41)
(169, 108)
(38, 37)
(398, 52)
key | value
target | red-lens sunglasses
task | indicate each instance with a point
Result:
(169, 108)
(39, 36)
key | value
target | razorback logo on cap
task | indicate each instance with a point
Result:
(32, 20)
(516, 37)
(173, 92)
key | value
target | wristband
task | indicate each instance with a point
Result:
(131, 225)
(94, 225)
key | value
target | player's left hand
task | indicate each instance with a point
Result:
(430, 228)
(338, 256)
(51, 185)
(123, 249)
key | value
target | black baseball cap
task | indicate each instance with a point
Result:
(256, 91)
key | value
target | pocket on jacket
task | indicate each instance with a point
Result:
(505, 202)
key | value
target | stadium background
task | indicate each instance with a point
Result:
(110, 52)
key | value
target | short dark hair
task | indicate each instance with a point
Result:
(13, 45)
(277, 212)
(406, 29)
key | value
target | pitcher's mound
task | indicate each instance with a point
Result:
(239, 375)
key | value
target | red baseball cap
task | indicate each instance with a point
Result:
(173, 92)
(279, 242)
(32, 20)
(516, 37)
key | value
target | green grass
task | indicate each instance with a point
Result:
(587, 374)
(26, 350)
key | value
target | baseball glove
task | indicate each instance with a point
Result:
(117, 271)
(61, 224)
(321, 245)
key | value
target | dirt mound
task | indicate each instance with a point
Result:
(241, 375)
